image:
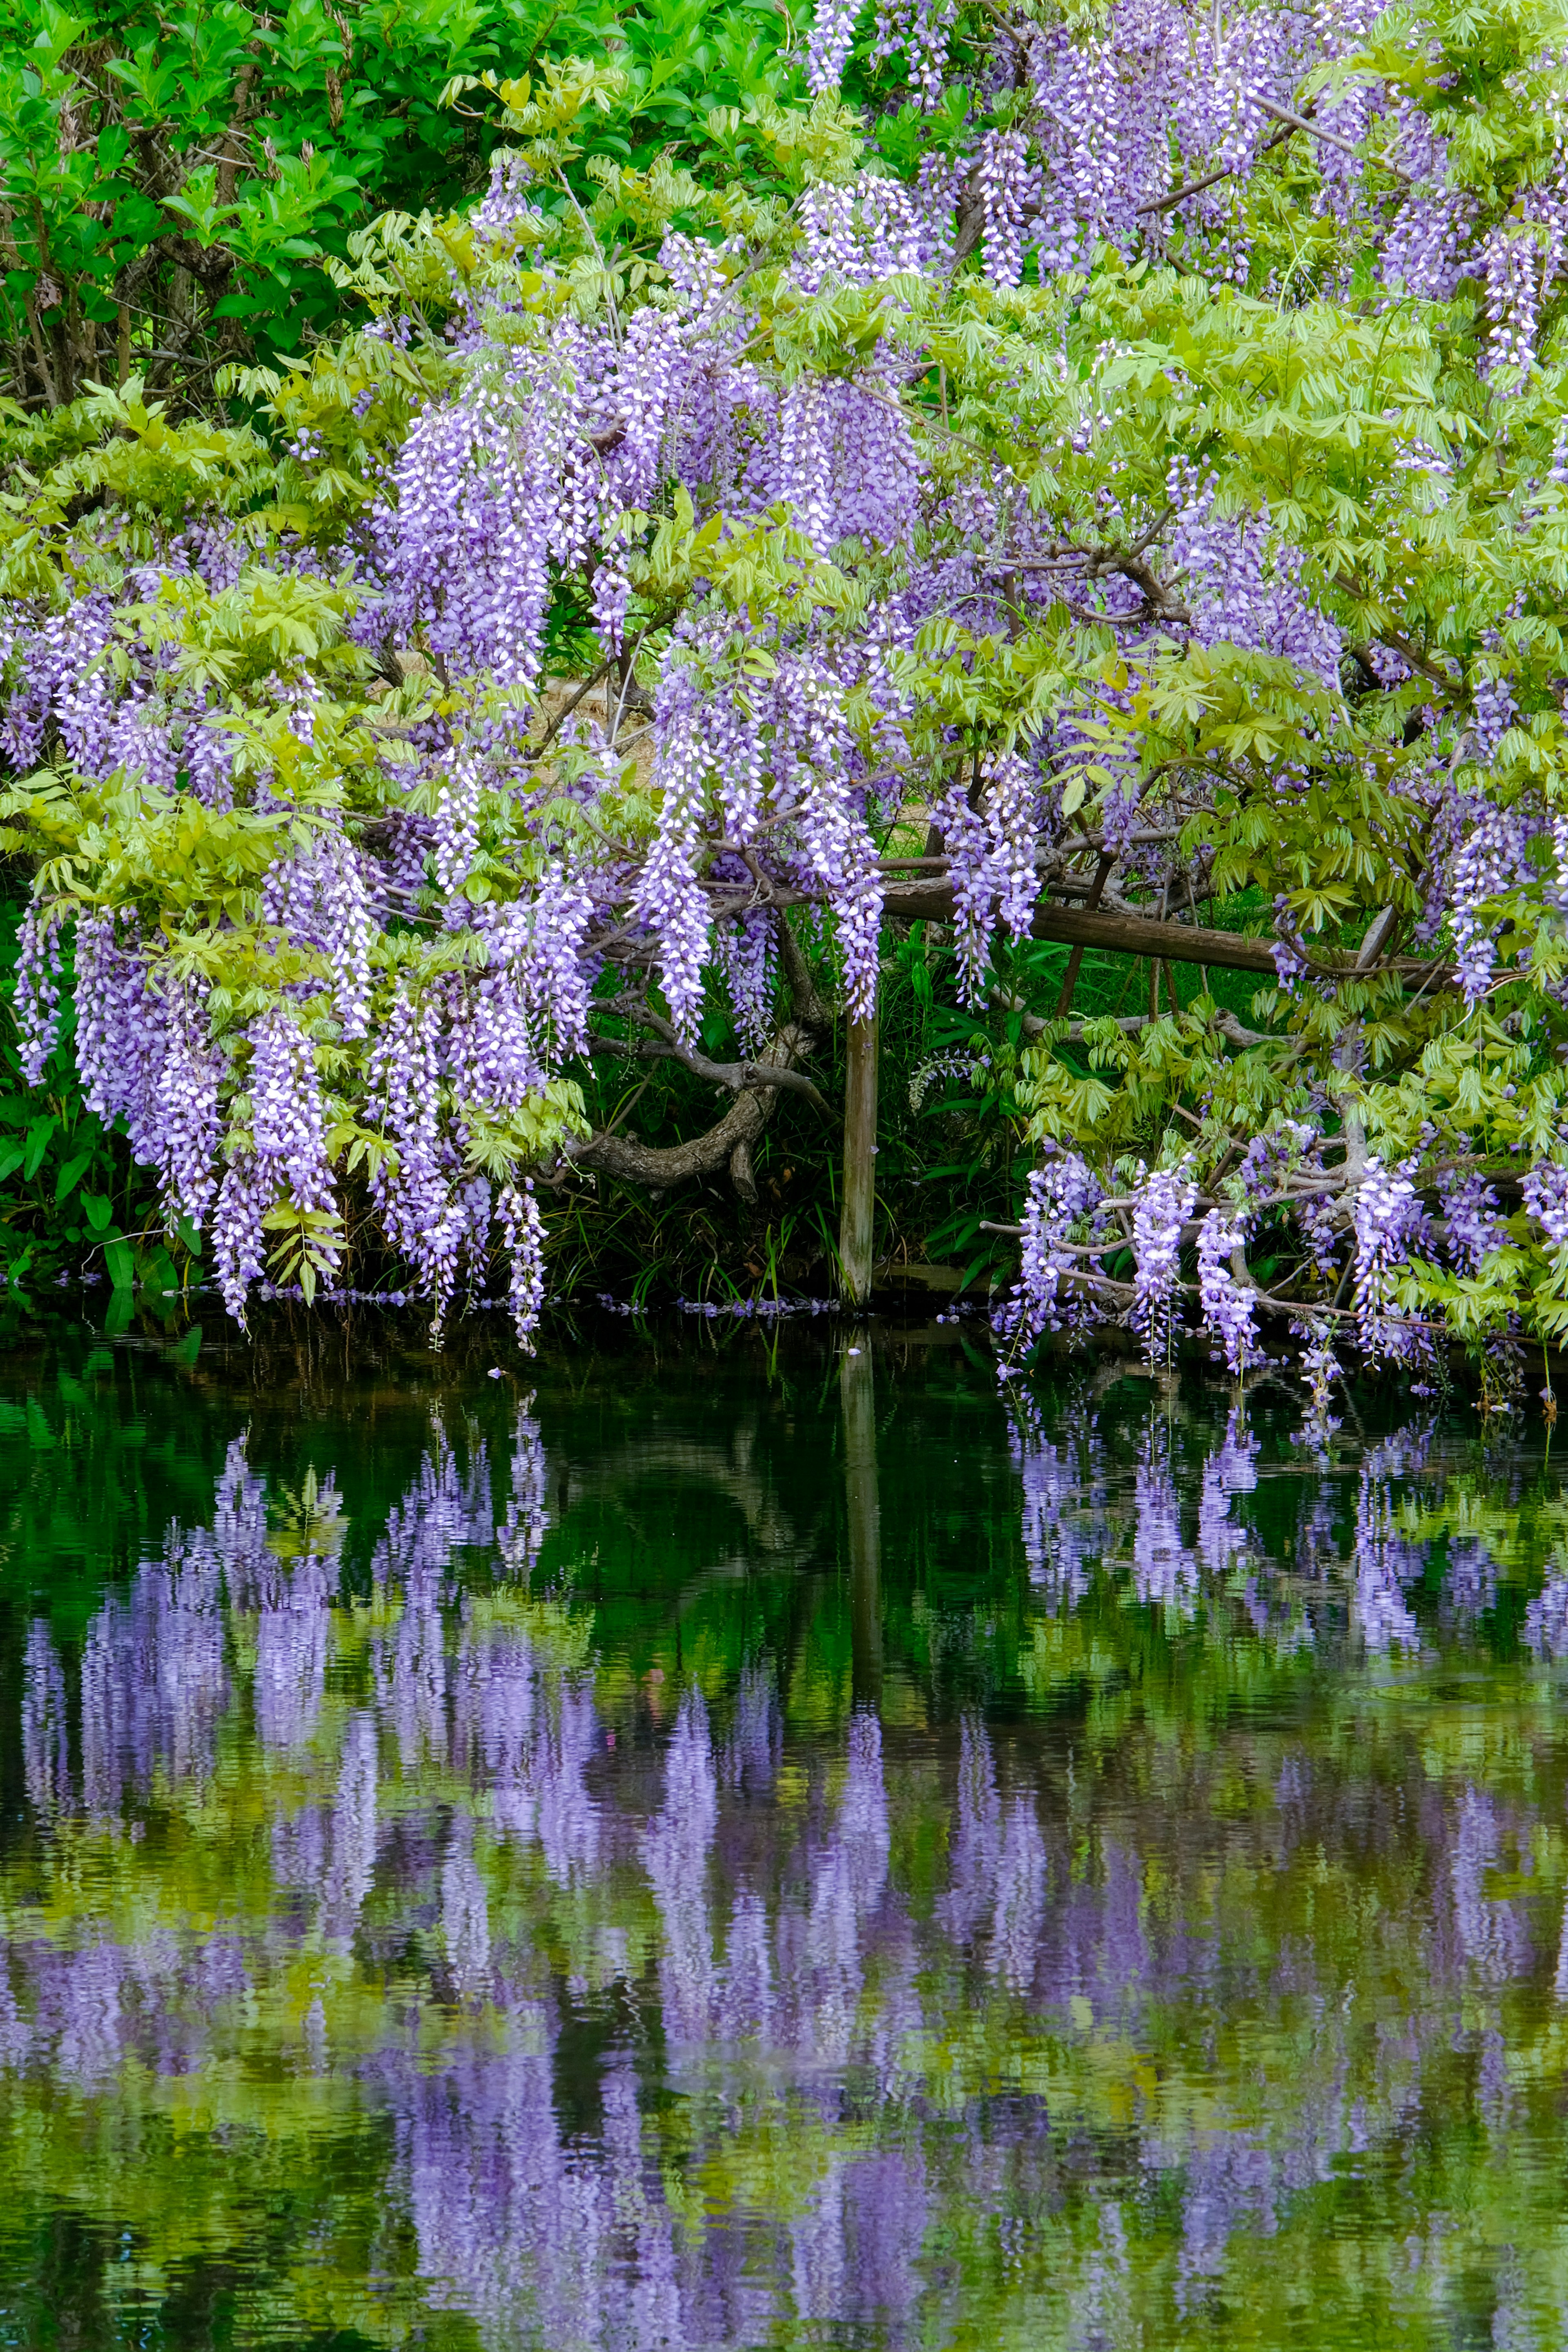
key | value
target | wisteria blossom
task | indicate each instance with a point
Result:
(1162, 1206)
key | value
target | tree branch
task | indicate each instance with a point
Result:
(1211, 179)
(662, 1167)
(739, 1076)
(1123, 933)
(568, 707)
(810, 1008)
(1329, 137)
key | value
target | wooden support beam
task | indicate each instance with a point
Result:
(1138, 935)
(859, 1162)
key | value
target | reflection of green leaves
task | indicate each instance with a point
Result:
(305, 1523)
(121, 1312)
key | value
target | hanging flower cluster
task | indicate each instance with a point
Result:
(1161, 1210)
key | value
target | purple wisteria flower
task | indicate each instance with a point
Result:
(1388, 1220)
(1060, 1196)
(283, 1162)
(1162, 1206)
(1475, 1224)
(1545, 1190)
(1228, 1303)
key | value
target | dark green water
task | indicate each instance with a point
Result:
(729, 1847)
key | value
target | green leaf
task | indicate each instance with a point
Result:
(157, 1273)
(71, 1174)
(121, 1261)
(38, 1135)
(204, 219)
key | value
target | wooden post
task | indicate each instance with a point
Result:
(859, 1164)
(857, 1393)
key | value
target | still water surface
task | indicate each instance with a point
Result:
(735, 1845)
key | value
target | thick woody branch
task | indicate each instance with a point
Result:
(739, 1076)
(742, 1078)
(810, 1008)
(662, 1167)
(758, 1084)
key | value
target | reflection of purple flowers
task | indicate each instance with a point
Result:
(675, 1856)
(1492, 1933)
(153, 1681)
(864, 1935)
(1163, 1570)
(1386, 1563)
(351, 1865)
(855, 2252)
(975, 1845)
(1062, 1503)
(1231, 1469)
(1545, 1629)
(46, 1747)
(464, 1913)
(1020, 1897)
(1227, 2185)
(291, 1640)
(755, 1746)
(847, 1882)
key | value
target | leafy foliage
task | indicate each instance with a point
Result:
(173, 186)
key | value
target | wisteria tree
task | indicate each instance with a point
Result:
(1094, 479)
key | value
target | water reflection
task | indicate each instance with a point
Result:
(863, 1516)
(825, 1948)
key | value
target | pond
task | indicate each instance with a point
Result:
(769, 1840)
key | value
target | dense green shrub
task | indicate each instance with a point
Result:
(172, 184)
